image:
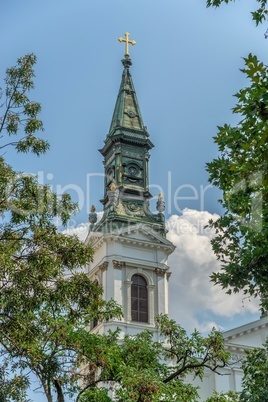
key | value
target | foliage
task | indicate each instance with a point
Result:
(12, 389)
(259, 15)
(254, 383)
(141, 369)
(241, 172)
(20, 116)
(45, 301)
(224, 397)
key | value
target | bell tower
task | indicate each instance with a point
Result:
(129, 242)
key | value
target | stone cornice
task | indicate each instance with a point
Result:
(142, 243)
(246, 329)
(143, 264)
(95, 240)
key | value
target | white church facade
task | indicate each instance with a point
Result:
(130, 246)
(237, 340)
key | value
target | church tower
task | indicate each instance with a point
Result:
(129, 242)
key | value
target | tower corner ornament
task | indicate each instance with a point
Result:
(127, 41)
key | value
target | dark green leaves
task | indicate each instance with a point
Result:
(20, 116)
(140, 366)
(241, 172)
(259, 15)
(255, 367)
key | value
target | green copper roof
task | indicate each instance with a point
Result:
(127, 112)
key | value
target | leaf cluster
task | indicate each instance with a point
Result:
(254, 383)
(21, 115)
(12, 387)
(224, 397)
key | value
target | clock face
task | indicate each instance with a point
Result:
(132, 170)
(131, 113)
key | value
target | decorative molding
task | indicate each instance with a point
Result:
(160, 271)
(119, 264)
(169, 275)
(103, 266)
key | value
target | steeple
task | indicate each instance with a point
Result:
(126, 161)
(127, 113)
(129, 242)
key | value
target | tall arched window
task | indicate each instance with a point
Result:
(95, 321)
(139, 299)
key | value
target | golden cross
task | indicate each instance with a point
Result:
(127, 41)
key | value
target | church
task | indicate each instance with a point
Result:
(131, 249)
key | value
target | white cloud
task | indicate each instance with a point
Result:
(82, 229)
(194, 300)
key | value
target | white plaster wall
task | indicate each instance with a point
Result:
(138, 253)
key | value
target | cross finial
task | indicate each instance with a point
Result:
(127, 41)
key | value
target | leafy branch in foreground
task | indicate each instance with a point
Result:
(20, 114)
(140, 369)
(260, 15)
(13, 387)
(254, 383)
(241, 172)
(224, 397)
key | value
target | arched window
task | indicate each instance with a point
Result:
(139, 299)
(95, 321)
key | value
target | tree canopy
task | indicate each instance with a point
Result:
(141, 369)
(241, 242)
(241, 172)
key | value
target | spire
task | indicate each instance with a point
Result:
(126, 162)
(127, 113)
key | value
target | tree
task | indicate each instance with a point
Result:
(44, 299)
(241, 172)
(258, 15)
(140, 369)
(254, 383)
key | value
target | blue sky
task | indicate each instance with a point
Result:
(185, 69)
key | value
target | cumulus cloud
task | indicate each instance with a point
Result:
(194, 300)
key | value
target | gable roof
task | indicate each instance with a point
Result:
(140, 234)
(248, 336)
